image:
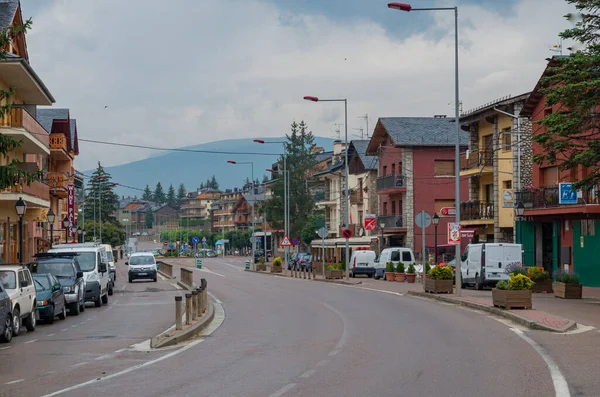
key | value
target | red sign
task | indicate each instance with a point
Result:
(165, 243)
(71, 206)
(285, 242)
(448, 211)
(347, 233)
(370, 223)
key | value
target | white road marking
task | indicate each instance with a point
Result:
(51, 334)
(561, 387)
(30, 341)
(176, 285)
(103, 357)
(580, 329)
(75, 326)
(63, 330)
(12, 382)
(322, 363)
(5, 347)
(210, 271)
(374, 289)
(161, 277)
(49, 373)
(333, 353)
(79, 364)
(235, 267)
(308, 373)
(214, 298)
(281, 391)
(344, 338)
(120, 350)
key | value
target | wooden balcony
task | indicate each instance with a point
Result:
(479, 162)
(476, 213)
(58, 147)
(223, 212)
(20, 125)
(356, 197)
(58, 183)
(37, 194)
(224, 224)
(391, 184)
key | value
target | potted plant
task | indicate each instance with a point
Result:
(514, 293)
(410, 273)
(400, 276)
(541, 278)
(261, 266)
(276, 266)
(389, 272)
(439, 279)
(567, 286)
(334, 272)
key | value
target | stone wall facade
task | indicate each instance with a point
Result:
(408, 209)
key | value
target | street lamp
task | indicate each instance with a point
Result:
(435, 220)
(20, 207)
(409, 8)
(253, 202)
(83, 233)
(51, 218)
(66, 224)
(74, 232)
(347, 199)
(519, 212)
(382, 226)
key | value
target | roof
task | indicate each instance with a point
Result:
(422, 131)
(11, 58)
(319, 157)
(257, 197)
(8, 8)
(332, 168)
(478, 111)
(46, 117)
(535, 95)
(360, 147)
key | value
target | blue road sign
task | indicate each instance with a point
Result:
(172, 246)
(195, 239)
(568, 195)
(258, 239)
(295, 241)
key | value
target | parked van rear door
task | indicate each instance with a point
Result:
(500, 256)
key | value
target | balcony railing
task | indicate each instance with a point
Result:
(476, 210)
(196, 206)
(36, 189)
(546, 197)
(58, 142)
(390, 221)
(224, 224)
(390, 182)
(58, 180)
(477, 159)
(18, 117)
(356, 197)
(223, 212)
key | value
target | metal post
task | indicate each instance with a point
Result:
(100, 213)
(323, 255)
(21, 261)
(253, 230)
(178, 313)
(346, 188)
(265, 235)
(423, 261)
(285, 204)
(457, 149)
(436, 254)
(188, 309)
(382, 242)
(51, 234)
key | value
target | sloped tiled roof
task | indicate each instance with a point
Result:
(73, 131)
(319, 157)
(422, 131)
(46, 116)
(360, 147)
(7, 12)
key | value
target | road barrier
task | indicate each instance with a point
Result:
(166, 269)
(178, 313)
(194, 305)
(188, 309)
(187, 277)
(204, 286)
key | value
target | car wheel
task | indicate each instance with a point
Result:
(105, 299)
(370, 275)
(31, 321)
(50, 319)
(82, 305)
(74, 309)
(98, 301)
(16, 322)
(110, 290)
(63, 314)
(8, 330)
(155, 279)
(130, 280)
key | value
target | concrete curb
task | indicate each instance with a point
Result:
(184, 286)
(186, 333)
(497, 311)
(299, 278)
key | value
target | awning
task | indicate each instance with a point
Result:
(468, 232)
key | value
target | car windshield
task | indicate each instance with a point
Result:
(87, 261)
(8, 279)
(110, 256)
(41, 282)
(142, 260)
(59, 269)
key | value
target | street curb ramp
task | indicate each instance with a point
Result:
(300, 278)
(498, 312)
(161, 340)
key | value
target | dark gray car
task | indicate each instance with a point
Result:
(6, 329)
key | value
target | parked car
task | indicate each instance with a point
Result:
(362, 262)
(50, 297)
(111, 266)
(18, 283)
(306, 262)
(258, 254)
(142, 265)
(485, 264)
(65, 267)
(6, 328)
(294, 262)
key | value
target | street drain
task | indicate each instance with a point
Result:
(101, 337)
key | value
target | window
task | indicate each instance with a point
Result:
(393, 207)
(393, 169)
(549, 176)
(443, 167)
(406, 257)
(507, 185)
(384, 173)
(588, 227)
(395, 257)
(506, 139)
(384, 208)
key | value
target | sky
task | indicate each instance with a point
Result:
(184, 72)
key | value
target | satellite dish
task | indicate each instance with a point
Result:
(361, 232)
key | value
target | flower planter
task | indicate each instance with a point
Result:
(390, 276)
(508, 299)
(438, 286)
(333, 274)
(261, 267)
(276, 269)
(400, 277)
(410, 277)
(542, 286)
(568, 291)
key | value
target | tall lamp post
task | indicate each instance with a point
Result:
(20, 207)
(347, 198)
(519, 212)
(67, 225)
(83, 233)
(382, 226)
(408, 8)
(253, 202)
(435, 220)
(51, 218)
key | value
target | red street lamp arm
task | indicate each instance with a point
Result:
(232, 162)
(408, 7)
(316, 99)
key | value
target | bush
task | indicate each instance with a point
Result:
(400, 267)
(537, 273)
(427, 268)
(568, 278)
(411, 269)
(441, 273)
(516, 269)
(343, 265)
(277, 261)
(519, 282)
(337, 266)
(389, 267)
(502, 284)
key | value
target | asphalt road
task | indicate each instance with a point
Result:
(288, 337)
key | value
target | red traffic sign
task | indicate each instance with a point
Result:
(165, 243)
(347, 233)
(370, 223)
(448, 211)
(285, 242)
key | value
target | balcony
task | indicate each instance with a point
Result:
(37, 194)
(58, 147)
(391, 184)
(479, 162)
(224, 224)
(58, 183)
(195, 206)
(391, 221)
(548, 198)
(476, 213)
(356, 197)
(21, 126)
(223, 212)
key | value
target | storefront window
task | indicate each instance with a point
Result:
(588, 227)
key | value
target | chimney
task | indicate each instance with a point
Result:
(439, 116)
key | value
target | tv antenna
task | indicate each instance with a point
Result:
(337, 130)
(557, 48)
(362, 135)
(366, 117)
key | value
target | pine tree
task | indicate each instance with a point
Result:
(101, 202)
(147, 196)
(159, 194)
(201, 185)
(171, 196)
(149, 219)
(265, 178)
(181, 194)
(213, 183)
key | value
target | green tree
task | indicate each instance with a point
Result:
(181, 194)
(171, 196)
(101, 202)
(111, 234)
(10, 172)
(149, 218)
(159, 194)
(147, 195)
(213, 183)
(571, 136)
(300, 161)
(265, 178)
(308, 233)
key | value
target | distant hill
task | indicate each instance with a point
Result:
(193, 168)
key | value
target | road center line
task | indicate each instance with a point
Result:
(561, 387)
(63, 330)
(283, 390)
(103, 357)
(210, 272)
(5, 347)
(12, 382)
(308, 373)
(80, 364)
(322, 363)
(51, 334)
(30, 341)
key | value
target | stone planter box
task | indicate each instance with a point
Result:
(261, 268)
(568, 291)
(542, 286)
(508, 299)
(400, 277)
(410, 277)
(438, 286)
(333, 274)
(276, 269)
(390, 276)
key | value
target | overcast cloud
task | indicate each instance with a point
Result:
(180, 73)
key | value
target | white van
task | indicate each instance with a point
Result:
(112, 270)
(94, 265)
(394, 255)
(485, 264)
(362, 262)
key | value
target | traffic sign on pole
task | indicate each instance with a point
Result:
(323, 232)
(285, 242)
(423, 219)
(295, 241)
(347, 233)
(195, 240)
